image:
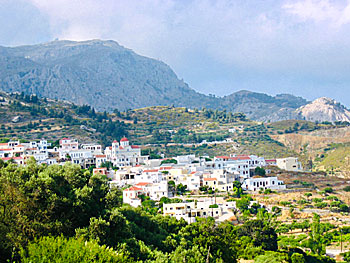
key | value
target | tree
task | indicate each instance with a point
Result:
(260, 171)
(316, 234)
(308, 195)
(260, 233)
(329, 190)
(243, 204)
(181, 189)
(169, 161)
(272, 257)
(60, 249)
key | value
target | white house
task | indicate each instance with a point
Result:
(130, 196)
(67, 144)
(189, 211)
(122, 154)
(256, 183)
(289, 164)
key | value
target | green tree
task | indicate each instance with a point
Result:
(60, 249)
(316, 234)
(260, 171)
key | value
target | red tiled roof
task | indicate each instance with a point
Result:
(100, 156)
(150, 171)
(133, 188)
(210, 179)
(115, 141)
(3, 144)
(166, 168)
(124, 140)
(272, 160)
(135, 147)
(142, 184)
(14, 158)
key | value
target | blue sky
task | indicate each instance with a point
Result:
(273, 46)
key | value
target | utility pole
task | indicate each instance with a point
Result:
(207, 261)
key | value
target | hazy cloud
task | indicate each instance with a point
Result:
(218, 46)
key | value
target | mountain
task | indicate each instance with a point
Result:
(105, 75)
(262, 107)
(324, 109)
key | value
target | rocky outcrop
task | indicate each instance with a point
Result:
(324, 109)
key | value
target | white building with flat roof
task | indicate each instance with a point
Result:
(257, 183)
(289, 164)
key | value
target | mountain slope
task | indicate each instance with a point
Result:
(324, 109)
(262, 107)
(99, 73)
(105, 75)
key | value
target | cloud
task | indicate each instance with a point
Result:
(335, 13)
(304, 40)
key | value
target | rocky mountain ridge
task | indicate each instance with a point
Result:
(107, 76)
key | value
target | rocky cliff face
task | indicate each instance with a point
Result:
(324, 109)
(105, 75)
(99, 73)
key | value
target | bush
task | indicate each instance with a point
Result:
(329, 190)
(272, 257)
(297, 258)
(60, 249)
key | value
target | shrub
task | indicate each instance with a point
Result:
(60, 249)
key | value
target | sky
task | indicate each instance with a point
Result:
(301, 47)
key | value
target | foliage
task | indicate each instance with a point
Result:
(260, 171)
(66, 214)
(60, 249)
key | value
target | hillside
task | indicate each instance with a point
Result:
(102, 74)
(29, 117)
(182, 130)
(262, 107)
(107, 76)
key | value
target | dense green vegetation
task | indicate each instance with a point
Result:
(63, 213)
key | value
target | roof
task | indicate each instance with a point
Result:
(100, 156)
(210, 179)
(133, 188)
(237, 158)
(14, 158)
(142, 184)
(101, 168)
(272, 160)
(135, 147)
(150, 171)
(3, 144)
(115, 141)
(166, 168)
(124, 140)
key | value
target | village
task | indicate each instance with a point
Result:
(141, 177)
